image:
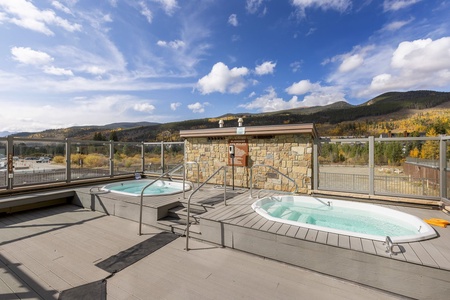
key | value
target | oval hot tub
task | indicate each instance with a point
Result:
(344, 217)
(134, 187)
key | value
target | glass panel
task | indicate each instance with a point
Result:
(127, 158)
(343, 166)
(89, 159)
(3, 165)
(173, 156)
(152, 155)
(38, 162)
(407, 168)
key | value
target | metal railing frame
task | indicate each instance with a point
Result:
(151, 183)
(443, 168)
(196, 190)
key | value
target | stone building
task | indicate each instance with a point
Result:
(263, 151)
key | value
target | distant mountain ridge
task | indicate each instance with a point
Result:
(385, 104)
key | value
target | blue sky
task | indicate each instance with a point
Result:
(82, 62)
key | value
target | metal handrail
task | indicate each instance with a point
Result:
(271, 167)
(142, 192)
(198, 170)
(198, 188)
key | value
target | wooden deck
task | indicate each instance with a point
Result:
(433, 253)
(44, 252)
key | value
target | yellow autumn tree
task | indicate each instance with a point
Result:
(430, 149)
(414, 153)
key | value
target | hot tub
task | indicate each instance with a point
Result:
(344, 217)
(134, 187)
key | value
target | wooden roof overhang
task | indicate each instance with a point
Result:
(307, 128)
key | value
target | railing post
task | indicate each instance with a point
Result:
(162, 158)
(10, 161)
(443, 168)
(111, 158)
(371, 165)
(225, 186)
(143, 156)
(68, 161)
(316, 165)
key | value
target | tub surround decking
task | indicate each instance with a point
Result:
(417, 269)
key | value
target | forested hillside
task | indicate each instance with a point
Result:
(416, 112)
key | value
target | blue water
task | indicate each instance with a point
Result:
(135, 187)
(342, 218)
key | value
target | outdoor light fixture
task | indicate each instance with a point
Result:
(240, 121)
(221, 123)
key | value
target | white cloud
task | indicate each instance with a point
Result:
(302, 87)
(295, 66)
(396, 25)
(252, 6)
(198, 107)
(61, 7)
(232, 20)
(146, 12)
(169, 6)
(176, 44)
(29, 56)
(144, 107)
(174, 106)
(350, 63)
(24, 14)
(393, 5)
(415, 65)
(338, 5)
(265, 68)
(223, 80)
(57, 71)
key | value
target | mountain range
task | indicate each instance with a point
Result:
(381, 107)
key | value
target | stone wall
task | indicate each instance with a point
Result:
(291, 154)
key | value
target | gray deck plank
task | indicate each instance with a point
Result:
(344, 241)
(356, 244)
(283, 229)
(368, 246)
(322, 237)
(311, 235)
(423, 255)
(292, 231)
(333, 239)
(302, 232)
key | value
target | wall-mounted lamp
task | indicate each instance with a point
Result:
(221, 123)
(240, 121)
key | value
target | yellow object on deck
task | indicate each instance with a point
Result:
(437, 222)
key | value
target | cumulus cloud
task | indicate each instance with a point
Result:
(393, 5)
(232, 20)
(318, 96)
(265, 68)
(174, 106)
(223, 80)
(144, 107)
(24, 14)
(176, 44)
(295, 66)
(29, 56)
(338, 5)
(302, 87)
(423, 63)
(198, 107)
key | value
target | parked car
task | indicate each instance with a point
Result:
(43, 160)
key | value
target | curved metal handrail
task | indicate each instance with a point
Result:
(143, 190)
(271, 167)
(198, 188)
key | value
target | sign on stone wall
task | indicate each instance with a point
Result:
(240, 152)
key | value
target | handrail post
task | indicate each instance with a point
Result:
(189, 203)
(251, 182)
(145, 187)
(225, 186)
